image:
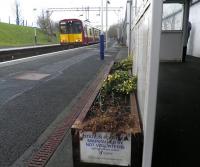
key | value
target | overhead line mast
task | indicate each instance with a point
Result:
(86, 9)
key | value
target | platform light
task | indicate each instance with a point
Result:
(107, 2)
(35, 30)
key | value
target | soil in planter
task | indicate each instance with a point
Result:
(113, 116)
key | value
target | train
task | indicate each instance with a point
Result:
(77, 32)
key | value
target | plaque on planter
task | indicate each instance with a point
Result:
(103, 148)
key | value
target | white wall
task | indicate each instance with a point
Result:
(142, 44)
(145, 47)
(194, 40)
(171, 46)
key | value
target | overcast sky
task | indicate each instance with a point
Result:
(27, 6)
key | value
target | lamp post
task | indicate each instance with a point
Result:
(35, 30)
(101, 16)
(102, 35)
(129, 2)
(107, 2)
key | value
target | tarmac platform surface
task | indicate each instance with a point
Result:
(177, 137)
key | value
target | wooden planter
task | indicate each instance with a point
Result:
(127, 152)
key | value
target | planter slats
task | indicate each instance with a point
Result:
(134, 111)
(137, 140)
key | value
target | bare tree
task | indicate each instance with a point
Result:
(17, 12)
(46, 24)
(112, 32)
(115, 30)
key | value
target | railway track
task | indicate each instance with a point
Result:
(17, 53)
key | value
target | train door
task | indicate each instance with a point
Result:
(90, 35)
(93, 34)
(85, 35)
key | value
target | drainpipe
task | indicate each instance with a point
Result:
(185, 28)
(102, 35)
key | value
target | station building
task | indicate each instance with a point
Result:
(160, 34)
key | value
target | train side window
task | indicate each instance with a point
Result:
(85, 31)
(90, 32)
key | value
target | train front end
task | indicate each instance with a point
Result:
(71, 32)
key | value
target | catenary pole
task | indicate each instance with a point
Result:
(102, 34)
(107, 2)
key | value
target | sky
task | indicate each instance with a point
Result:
(7, 10)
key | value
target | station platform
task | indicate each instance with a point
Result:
(177, 126)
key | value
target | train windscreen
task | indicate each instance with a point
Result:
(70, 27)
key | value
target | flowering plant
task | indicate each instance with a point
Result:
(120, 82)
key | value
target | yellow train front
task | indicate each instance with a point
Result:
(71, 32)
(75, 32)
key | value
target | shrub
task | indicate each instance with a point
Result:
(124, 65)
(120, 82)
